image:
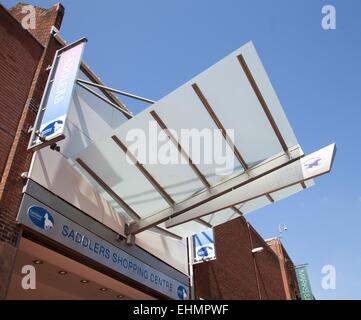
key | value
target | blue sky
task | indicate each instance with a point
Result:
(151, 47)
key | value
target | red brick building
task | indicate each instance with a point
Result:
(287, 269)
(24, 58)
(238, 273)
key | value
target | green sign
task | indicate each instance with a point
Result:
(304, 283)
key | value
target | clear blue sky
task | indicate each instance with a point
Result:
(151, 47)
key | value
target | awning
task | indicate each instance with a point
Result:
(234, 94)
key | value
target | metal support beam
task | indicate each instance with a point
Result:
(166, 233)
(195, 169)
(204, 223)
(144, 171)
(262, 101)
(269, 197)
(130, 239)
(236, 210)
(311, 166)
(219, 125)
(216, 191)
(123, 93)
(128, 210)
(180, 149)
(105, 99)
(164, 127)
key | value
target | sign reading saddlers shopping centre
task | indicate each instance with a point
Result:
(61, 229)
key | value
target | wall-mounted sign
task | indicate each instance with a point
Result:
(304, 283)
(41, 218)
(55, 226)
(203, 246)
(53, 109)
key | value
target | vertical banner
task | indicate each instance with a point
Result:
(203, 246)
(53, 109)
(304, 283)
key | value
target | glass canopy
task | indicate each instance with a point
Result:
(233, 98)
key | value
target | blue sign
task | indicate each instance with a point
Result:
(182, 293)
(203, 244)
(52, 128)
(41, 218)
(205, 251)
(61, 229)
(58, 93)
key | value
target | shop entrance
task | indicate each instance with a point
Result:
(59, 277)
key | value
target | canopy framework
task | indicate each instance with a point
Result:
(288, 175)
(233, 94)
(217, 192)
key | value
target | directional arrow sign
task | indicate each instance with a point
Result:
(308, 167)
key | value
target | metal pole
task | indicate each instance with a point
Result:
(192, 295)
(105, 99)
(123, 93)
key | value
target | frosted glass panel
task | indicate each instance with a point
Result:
(263, 82)
(255, 204)
(237, 106)
(177, 178)
(221, 217)
(234, 102)
(108, 161)
(187, 229)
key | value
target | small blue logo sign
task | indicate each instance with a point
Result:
(313, 163)
(205, 251)
(52, 128)
(41, 217)
(182, 293)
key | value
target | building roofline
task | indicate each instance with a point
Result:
(18, 22)
(270, 239)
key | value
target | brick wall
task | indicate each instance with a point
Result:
(288, 269)
(233, 274)
(23, 75)
(19, 57)
(45, 19)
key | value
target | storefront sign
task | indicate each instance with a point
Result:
(61, 229)
(50, 122)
